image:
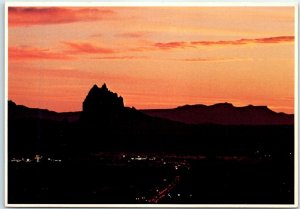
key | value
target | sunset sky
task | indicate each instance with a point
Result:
(154, 57)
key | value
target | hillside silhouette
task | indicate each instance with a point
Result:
(108, 153)
(102, 104)
(18, 112)
(106, 124)
(223, 113)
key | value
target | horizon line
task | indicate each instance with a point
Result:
(167, 108)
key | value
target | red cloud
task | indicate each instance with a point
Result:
(171, 45)
(28, 53)
(275, 39)
(182, 44)
(26, 16)
(272, 40)
(87, 48)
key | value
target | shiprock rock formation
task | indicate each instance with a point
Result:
(99, 99)
(102, 105)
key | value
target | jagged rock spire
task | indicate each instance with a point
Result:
(104, 87)
(99, 99)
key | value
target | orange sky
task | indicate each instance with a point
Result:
(155, 57)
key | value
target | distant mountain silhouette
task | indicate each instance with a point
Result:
(104, 106)
(223, 113)
(100, 107)
(18, 112)
(105, 124)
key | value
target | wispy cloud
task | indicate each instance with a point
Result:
(121, 57)
(73, 48)
(268, 40)
(172, 45)
(139, 34)
(199, 59)
(87, 48)
(16, 53)
(27, 16)
(184, 44)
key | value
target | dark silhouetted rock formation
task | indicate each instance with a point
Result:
(99, 99)
(102, 105)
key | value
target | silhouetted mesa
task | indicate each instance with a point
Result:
(223, 113)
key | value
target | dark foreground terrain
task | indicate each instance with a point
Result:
(225, 180)
(218, 170)
(112, 154)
